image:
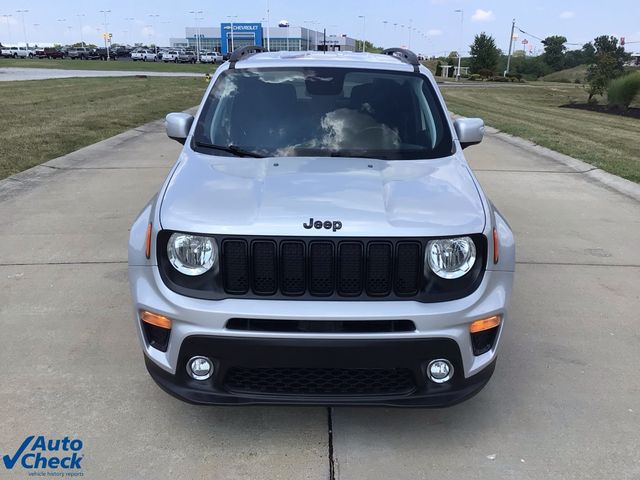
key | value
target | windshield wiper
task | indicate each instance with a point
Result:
(237, 151)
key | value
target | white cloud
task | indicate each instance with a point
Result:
(567, 14)
(483, 15)
(434, 32)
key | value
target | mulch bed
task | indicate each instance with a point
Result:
(631, 112)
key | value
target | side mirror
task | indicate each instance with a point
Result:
(178, 126)
(469, 130)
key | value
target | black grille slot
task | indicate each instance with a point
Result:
(320, 326)
(292, 262)
(235, 266)
(350, 269)
(263, 257)
(320, 381)
(321, 265)
(409, 267)
(379, 269)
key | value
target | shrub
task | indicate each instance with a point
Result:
(623, 90)
(499, 79)
(485, 73)
(475, 77)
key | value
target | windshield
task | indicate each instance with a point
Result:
(324, 112)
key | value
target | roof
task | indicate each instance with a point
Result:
(324, 59)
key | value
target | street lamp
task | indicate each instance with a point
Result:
(6, 17)
(364, 19)
(461, 12)
(62, 20)
(268, 27)
(153, 31)
(24, 28)
(130, 19)
(106, 31)
(231, 17)
(195, 16)
(80, 15)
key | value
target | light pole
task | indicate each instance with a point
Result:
(62, 20)
(6, 18)
(80, 15)
(130, 19)
(195, 16)
(268, 28)
(461, 12)
(410, 30)
(106, 31)
(231, 17)
(364, 19)
(154, 16)
(24, 28)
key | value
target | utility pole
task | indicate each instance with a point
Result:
(154, 18)
(231, 17)
(198, 46)
(513, 26)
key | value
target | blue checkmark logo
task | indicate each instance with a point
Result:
(10, 462)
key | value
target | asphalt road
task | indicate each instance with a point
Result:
(564, 401)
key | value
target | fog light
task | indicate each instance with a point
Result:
(200, 368)
(440, 371)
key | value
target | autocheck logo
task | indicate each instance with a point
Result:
(41, 453)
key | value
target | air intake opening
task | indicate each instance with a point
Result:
(321, 326)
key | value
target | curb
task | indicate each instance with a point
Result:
(42, 173)
(595, 174)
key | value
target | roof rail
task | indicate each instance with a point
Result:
(407, 56)
(243, 53)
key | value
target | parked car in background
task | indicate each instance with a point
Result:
(79, 53)
(169, 56)
(49, 53)
(211, 57)
(103, 54)
(5, 52)
(19, 52)
(144, 55)
(121, 52)
(179, 56)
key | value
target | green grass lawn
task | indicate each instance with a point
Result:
(128, 65)
(569, 75)
(532, 111)
(49, 118)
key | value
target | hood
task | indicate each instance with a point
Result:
(275, 197)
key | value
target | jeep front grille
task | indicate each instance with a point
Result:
(321, 268)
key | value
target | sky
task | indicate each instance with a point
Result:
(434, 24)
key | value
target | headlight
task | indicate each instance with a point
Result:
(451, 258)
(192, 254)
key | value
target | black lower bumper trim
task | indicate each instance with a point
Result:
(373, 360)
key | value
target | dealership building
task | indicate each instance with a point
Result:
(223, 39)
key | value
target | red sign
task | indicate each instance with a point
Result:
(621, 40)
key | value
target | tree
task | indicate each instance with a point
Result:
(484, 53)
(554, 51)
(588, 53)
(368, 46)
(609, 60)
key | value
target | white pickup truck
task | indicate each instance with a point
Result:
(144, 55)
(18, 52)
(211, 57)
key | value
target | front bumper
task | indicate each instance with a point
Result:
(200, 327)
(387, 372)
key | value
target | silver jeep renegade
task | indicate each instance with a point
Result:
(321, 239)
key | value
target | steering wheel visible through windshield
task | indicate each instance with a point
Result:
(279, 112)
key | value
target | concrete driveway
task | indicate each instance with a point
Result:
(564, 401)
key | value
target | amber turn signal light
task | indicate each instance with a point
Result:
(147, 249)
(155, 319)
(496, 247)
(485, 324)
